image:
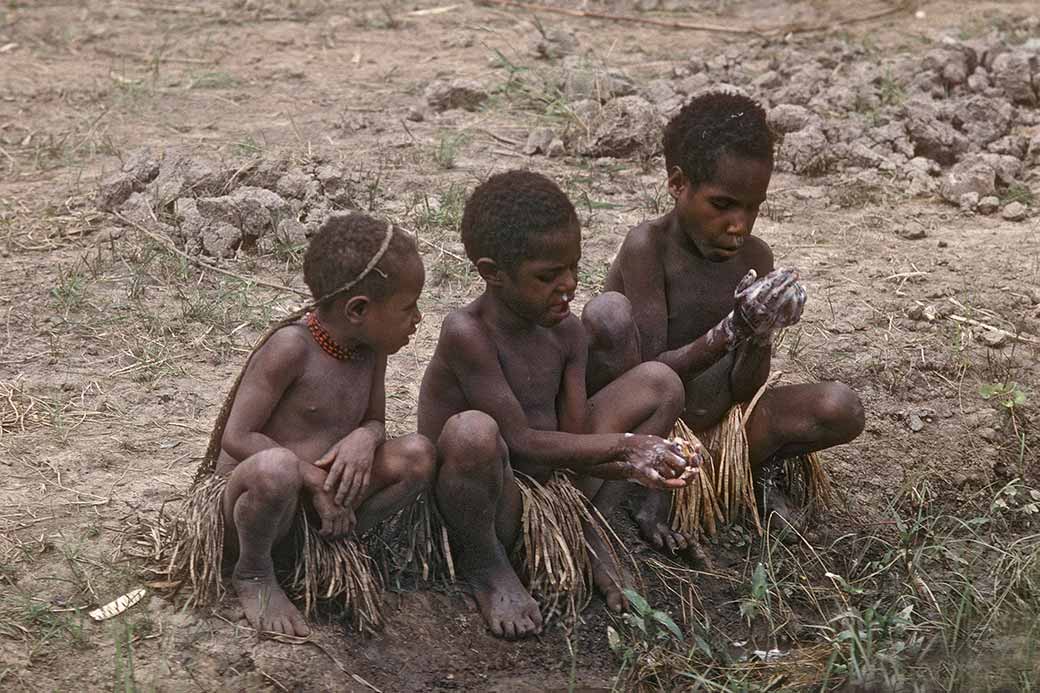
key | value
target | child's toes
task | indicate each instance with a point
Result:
(300, 627)
(509, 630)
(616, 601)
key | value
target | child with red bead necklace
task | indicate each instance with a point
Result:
(302, 434)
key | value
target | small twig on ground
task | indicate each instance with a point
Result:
(501, 138)
(432, 11)
(619, 18)
(979, 323)
(199, 263)
(272, 679)
(442, 249)
(903, 6)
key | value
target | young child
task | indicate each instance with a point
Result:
(504, 397)
(305, 434)
(705, 300)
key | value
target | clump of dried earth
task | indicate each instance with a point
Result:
(164, 166)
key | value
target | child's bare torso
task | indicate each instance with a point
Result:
(698, 293)
(532, 362)
(325, 402)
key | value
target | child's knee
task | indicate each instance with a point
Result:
(469, 439)
(665, 384)
(839, 409)
(608, 320)
(275, 474)
(418, 461)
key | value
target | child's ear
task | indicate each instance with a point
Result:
(677, 180)
(356, 307)
(489, 271)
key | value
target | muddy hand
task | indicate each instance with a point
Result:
(791, 308)
(655, 462)
(759, 305)
(693, 453)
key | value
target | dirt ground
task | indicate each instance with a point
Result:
(116, 351)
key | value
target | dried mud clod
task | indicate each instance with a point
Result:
(942, 126)
(221, 209)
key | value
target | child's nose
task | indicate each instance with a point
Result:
(740, 224)
(570, 281)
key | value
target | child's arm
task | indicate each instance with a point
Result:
(269, 374)
(572, 404)
(349, 462)
(473, 358)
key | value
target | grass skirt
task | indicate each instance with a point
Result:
(341, 571)
(723, 492)
(551, 555)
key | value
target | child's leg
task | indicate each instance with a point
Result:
(613, 350)
(613, 339)
(403, 468)
(798, 419)
(260, 502)
(795, 420)
(481, 505)
(646, 399)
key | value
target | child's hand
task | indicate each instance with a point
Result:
(655, 462)
(765, 304)
(336, 520)
(349, 464)
(791, 310)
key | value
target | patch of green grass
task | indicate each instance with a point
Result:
(288, 251)
(213, 80)
(247, 146)
(890, 91)
(926, 603)
(442, 215)
(69, 292)
(1017, 192)
(447, 149)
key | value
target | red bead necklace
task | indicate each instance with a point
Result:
(327, 343)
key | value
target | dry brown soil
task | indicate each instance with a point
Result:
(115, 354)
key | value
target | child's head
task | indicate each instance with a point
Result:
(719, 156)
(380, 309)
(523, 235)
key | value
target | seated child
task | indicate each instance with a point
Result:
(504, 397)
(705, 300)
(305, 433)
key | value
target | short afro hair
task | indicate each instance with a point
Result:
(508, 210)
(343, 247)
(711, 126)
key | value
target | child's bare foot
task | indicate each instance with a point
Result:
(777, 512)
(609, 577)
(508, 609)
(653, 519)
(267, 607)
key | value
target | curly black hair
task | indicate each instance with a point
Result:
(343, 247)
(507, 210)
(711, 126)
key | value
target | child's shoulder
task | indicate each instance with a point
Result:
(645, 239)
(462, 322)
(287, 345)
